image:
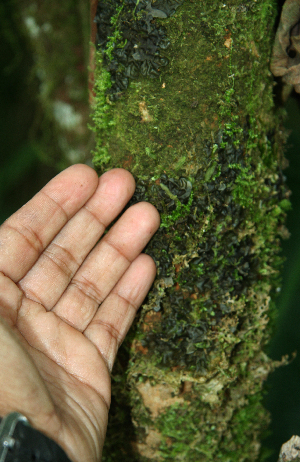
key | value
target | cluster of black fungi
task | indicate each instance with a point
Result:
(140, 54)
(229, 265)
(142, 39)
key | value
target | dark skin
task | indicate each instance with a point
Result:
(67, 302)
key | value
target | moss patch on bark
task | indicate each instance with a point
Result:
(204, 143)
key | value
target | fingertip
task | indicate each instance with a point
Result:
(71, 188)
(79, 177)
(147, 265)
(149, 213)
(120, 176)
(155, 216)
(125, 173)
(137, 280)
(82, 170)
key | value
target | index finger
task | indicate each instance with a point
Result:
(25, 235)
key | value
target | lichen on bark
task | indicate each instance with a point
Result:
(204, 144)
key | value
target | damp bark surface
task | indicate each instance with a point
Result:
(183, 100)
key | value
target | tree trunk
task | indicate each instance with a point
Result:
(58, 35)
(199, 132)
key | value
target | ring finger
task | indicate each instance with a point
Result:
(112, 321)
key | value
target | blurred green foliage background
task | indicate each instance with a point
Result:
(23, 172)
(283, 386)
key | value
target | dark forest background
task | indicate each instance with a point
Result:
(23, 171)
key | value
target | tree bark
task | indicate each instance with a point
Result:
(58, 36)
(204, 143)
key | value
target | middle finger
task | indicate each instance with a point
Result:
(106, 264)
(51, 274)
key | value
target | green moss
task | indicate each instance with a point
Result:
(208, 122)
(116, 39)
(239, 444)
(102, 117)
(194, 433)
(178, 425)
(181, 210)
(164, 101)
(244, 186)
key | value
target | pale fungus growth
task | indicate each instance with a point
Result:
(285, 61)
(227, 42)
(146, 117)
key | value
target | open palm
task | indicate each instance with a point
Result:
(67, 302)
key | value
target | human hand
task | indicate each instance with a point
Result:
(66, 303)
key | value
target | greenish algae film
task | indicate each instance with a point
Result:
(204, 143)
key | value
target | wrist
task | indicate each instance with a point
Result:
(19, 441)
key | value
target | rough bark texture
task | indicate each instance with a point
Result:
(204, 143)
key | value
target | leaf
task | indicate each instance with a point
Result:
(285, 61)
